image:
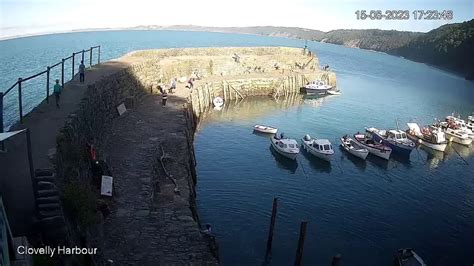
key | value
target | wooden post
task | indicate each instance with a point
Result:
(62, 72)
(268, 254)
(2, 146)
(90, 57)
(30, 164)
(73, 59)
(20, 103)
(98, 56)
(336, 260)
(47, 83)
(299, 251)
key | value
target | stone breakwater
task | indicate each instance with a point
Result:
(152, 218)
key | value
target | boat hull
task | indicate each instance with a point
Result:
(384, 154)
(322, 156)
(458, 140)
(431, 145)
(397, 148)
(289, 155)
(362, 154)
(266, 130)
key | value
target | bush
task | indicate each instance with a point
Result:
(80, 203)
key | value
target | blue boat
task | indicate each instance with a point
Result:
(394, 138)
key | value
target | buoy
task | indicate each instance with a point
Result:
(218, 101)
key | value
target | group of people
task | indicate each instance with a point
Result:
(57, 89)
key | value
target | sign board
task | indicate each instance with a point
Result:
(121, 109)
(107, 185)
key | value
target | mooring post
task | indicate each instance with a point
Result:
(299, 251)
(268, 253)
(98, 56)
(73, 59)
(336, 260)
(62, 72)
(47, 83)
(20, 104)
(90, 57)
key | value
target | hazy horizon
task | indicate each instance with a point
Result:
(36, 17)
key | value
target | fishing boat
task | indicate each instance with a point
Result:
(317, 87)
(460, 125)
(285, 146)
(470, 122)
(454, 133)
(320, 148)
(431, 137)
(218, 102)
(354, 148)
(408, 257)
(375, 148)
(394, 138)
(265, 129)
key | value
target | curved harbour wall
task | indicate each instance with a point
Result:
(166, 186)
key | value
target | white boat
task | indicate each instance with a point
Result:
(320, 148)
(353, 148)
(430, 137)
(375, 148)
(408, 257)
(453, 134)
(470, 122)
(317, 87)
(265, 129)
(218, 102)
(334, 92)
(286, 147)
(459, 124)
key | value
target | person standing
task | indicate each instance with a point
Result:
(173, 85)
(164, 97)
(82, 70)
(57, 92)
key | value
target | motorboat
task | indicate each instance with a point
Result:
(454, 133)
(320, 148)
(375, 148)
(394, 138)
(408, 257)
(334, 92)
(218, 102)
(285, 146)
(460, 125)
(317, 87)
(470, 122)
(265, 129)
(431, 137)
(354, 148)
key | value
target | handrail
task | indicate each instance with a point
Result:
(18, 83)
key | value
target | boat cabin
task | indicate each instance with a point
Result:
(397, 135)
(322, 145)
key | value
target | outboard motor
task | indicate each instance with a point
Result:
(307, 137)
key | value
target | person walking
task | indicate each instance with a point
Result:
(57, 92)
(82, 70)
(164, 97)
(173, 85)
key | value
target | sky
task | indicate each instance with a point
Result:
(24, 17)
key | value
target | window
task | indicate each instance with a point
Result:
(326, 147)
(291, 145)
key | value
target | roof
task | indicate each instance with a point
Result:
(322, 141)
(288, 141)
(7, 135)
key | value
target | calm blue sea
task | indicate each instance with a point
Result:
(362, 210)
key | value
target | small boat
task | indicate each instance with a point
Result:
(470, 122)
(286, 147)
(265, 129)
(317, 87)
(218, 102)
(394, 138)
(430, 137)
(408, 257)
(320, 148)
(353, 148)
(334, 92)
(454, 133)
(375, 148)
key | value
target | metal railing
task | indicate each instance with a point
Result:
(18, 83)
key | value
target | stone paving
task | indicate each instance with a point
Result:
(151, 224)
